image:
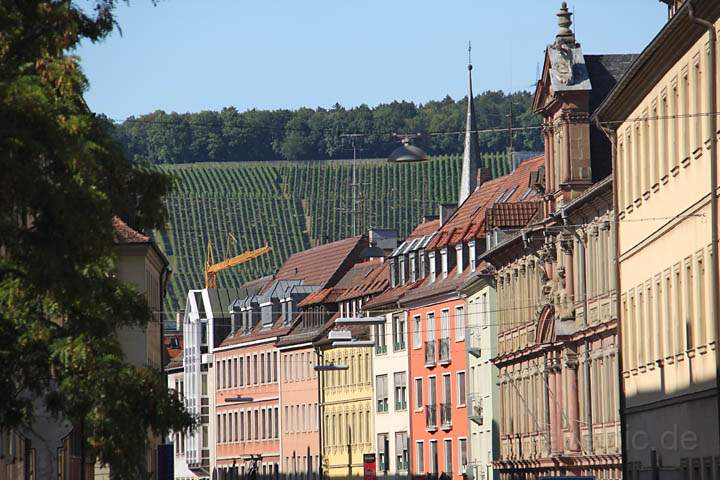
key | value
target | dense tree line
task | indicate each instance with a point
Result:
(315, 134)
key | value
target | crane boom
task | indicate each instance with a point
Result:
(211, 269)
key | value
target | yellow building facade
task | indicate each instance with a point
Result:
(657, 117)
(347, 411)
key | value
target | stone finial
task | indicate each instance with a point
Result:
(565, 33)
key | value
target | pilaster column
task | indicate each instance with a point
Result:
(571, 364)
(555, 416)
(567, 174)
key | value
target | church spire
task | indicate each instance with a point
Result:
(471, 154)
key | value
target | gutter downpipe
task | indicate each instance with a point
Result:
(582, 276)
(711, 108)
(611, 135)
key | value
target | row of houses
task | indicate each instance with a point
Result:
(558, 321)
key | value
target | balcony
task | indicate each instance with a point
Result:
(472, 341)
(431, 418)
(475, 407)
(430, 353)
(444, 351)
(446, 415)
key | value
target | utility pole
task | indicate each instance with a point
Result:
(354, 184)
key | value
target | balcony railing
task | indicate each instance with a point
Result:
(430, 353)
(431, 418)
(472, 340)
(446, 415)
(475, 409)
(444, 351)
(380, 349)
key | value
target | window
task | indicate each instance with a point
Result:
(398, 332)
(417, 332)
(461, 388)
(287, 420)
(382, 445)
(249, 425)
(277, 423)
(432, 391)
(433, 457)
(401, 451)
(459, 323)
(256, 434)
(400, 391)
(263, 431)
(448, 457)
(462, 454)
(255, 368)
(445, 324)
(241, 380)
(262, 368)
(430, 334)
(275, 367)
(381, 393)
(380, 341)
(242, 426)
(447, 388)
(419, 457)
(418, 393)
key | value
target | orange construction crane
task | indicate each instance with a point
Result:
(212, 268)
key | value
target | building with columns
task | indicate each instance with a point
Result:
(556, 294)
(662, 117)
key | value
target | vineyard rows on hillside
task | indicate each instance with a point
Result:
(292, 206)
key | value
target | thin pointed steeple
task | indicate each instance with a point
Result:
(471, 154)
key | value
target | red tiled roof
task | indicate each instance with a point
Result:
(376, 281)
(505, 215)
(468, 222)
(425, 228)
(391, 295)
(318, 265)
(320, 296)
(125, 234)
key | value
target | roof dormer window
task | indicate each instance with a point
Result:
(460, 259)
(444, 261)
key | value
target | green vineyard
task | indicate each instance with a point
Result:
(292, 206)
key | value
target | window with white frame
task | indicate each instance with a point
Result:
(461, 389)
(460, 323)
(381, 393)
(398, 332)
(380, 340)
(462, 455)
(401, 451)
(419, 393)
(419, 457)
(382, 444)
(400, 380)
(417, 331)
(448, 457)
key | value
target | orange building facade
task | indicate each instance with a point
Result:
(438, 412)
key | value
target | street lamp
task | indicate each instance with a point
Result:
(331, 367)
(360, 320)
(239, 399)
(354, 343)
(407, 152)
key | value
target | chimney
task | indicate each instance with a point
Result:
(484, 174)
(446, 211)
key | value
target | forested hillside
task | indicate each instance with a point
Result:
(314, 134)
(292, 206)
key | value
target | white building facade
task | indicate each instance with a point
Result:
(391, 387)
(483, 408)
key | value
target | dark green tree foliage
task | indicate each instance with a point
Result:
(314, 134)
(63, 178)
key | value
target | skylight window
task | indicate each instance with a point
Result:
(509, 194)
(525, 195)
(500, 196)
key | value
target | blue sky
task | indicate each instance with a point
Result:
(192, 55)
